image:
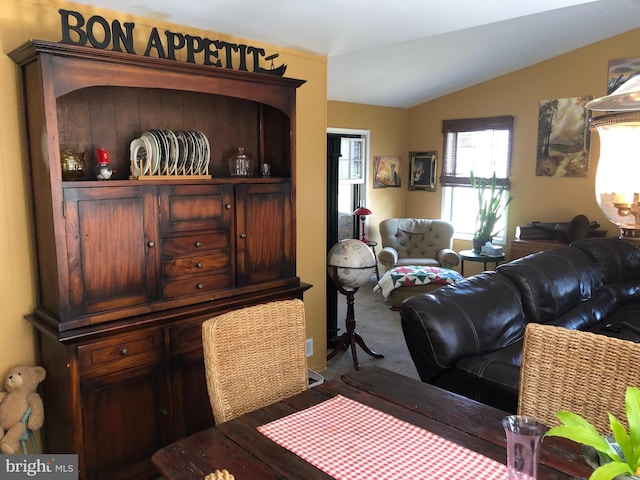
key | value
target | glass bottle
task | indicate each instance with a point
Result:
(72, 165)
(103, 169)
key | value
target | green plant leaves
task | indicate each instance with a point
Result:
(632, 407)
(579, 430)
(490, 205)
(608, 471)
(576, 428)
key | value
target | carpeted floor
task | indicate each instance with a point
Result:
(380, 328)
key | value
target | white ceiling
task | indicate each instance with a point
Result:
(404, 52)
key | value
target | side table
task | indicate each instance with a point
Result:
(373, 246)
(471, 256)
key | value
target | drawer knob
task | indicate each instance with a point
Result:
(124, 351)
(243, 235)
(200, 286)
(164, 412)
(199, 265)
(228, 206)
(198, 244)
(151, 244)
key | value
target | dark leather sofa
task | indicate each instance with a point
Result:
(467, 337)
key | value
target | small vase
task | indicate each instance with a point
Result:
(478, 243)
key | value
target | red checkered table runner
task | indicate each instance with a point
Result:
(352, 441)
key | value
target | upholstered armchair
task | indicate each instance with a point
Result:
(417, 241)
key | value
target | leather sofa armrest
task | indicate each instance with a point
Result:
(448, 258)
(474, 316)
(388, 257)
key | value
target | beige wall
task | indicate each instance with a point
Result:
(579, 73)
(22, 20)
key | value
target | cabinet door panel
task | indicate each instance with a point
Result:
(195, 207)
(111, 238)
(126, 418)
(264, 233)
(197, 412)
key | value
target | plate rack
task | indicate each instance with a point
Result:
(164, 154)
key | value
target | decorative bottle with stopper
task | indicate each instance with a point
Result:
(103, 169)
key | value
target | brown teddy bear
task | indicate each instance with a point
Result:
(20, 384)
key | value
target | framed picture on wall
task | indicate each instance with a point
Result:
(621, 70)
(563, 138)
(386, 172)
(422, 171)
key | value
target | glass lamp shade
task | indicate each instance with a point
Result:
(625, 98)
(618, 172)
(350, 263)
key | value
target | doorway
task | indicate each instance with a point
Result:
(347, 161)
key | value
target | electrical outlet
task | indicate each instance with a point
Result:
(309, 347)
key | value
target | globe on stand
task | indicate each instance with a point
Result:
(350, 264)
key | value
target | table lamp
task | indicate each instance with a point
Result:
(362, 212)
(618, 174)
(350, 264)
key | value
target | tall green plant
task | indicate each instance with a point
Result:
(490, 205)
(624, 462)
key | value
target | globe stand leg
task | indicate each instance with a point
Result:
(350, 338)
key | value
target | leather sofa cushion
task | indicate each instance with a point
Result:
(627, 318)
(498, 372)
(617, 260)
(474, 316)
(552, 281)
(588, 313)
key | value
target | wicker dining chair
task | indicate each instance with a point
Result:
(582, 372)
(254, 356)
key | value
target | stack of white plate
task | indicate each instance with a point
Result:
(164, 152)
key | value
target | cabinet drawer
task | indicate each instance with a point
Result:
(197, 284)
(187, 265)
(120, 352)
(194, 243)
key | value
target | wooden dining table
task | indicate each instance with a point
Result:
(242, 450)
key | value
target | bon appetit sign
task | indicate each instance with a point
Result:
(118, 37)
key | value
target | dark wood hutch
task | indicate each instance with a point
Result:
(129, 269)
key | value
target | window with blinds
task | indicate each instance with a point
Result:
(481, 146)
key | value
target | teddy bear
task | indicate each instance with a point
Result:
(20, 385)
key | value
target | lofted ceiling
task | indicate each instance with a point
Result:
(405, 52)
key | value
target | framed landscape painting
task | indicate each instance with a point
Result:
(563, 138)
(621, 70)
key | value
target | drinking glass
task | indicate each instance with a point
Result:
(524, 437)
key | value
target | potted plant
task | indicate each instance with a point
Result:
(490, 208)
(615, 456)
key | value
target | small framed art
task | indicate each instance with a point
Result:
(422, 171)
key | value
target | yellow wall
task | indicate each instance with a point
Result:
(22, 20)
(578, 73)
(393, 132)
(388, 133)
